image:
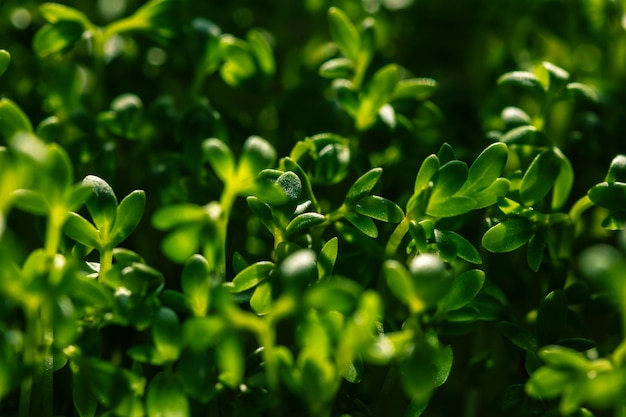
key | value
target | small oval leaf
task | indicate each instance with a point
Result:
(508, 235)
(344, 33)
(363, 185)
(379, 208)
(252, 276)
(363, 223)
(540, 177)
(5, 59)
(304, 221)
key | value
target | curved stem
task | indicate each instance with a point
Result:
(396, 238)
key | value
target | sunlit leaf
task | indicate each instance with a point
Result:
(252, 275)
(5, 59)
(508, 235)
(57, 38)
(379, 208)
(522, 79)
(540, 177)
(165, 397)
(262, 51)
(344, 33)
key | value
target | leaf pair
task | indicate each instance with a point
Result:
(257, 154)
(552, 84)
(367, 105)
(576, 379)
(611, 194)
(447, 243)
(112, 223)
(445, 187)
(325, 157)
(243, 59)
(360, 208)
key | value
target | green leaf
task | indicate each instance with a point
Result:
(508, 235)
(518, 335)
(256, 155)
(252, 275)
(464, 288)
(141, 279)
(5, 60)
(129, 214)
(536, 247)
(490, 195)
(30, 201)
(55, 12)
(445, 246)
(291, 186)
(551, 317)
(154, 18)
(230, 361)
(337, 68)
(609, 195)
(523, 135)
(58, 37)
(450, 207)
(201, 333)
(79, 229)
(84, 400)
(170, 216)
(167, 334)
(363, 223)
(548, 383)
(415, 409)
(415, 88)
(262, 51)
(419, 373)
(581, 92)
(304, 221)
(377, 93)
(379, 208)
(522, 79)
(263, 211)
(239, 64)
(450, 178)
(564, 182)
(347, 97)
(298, 267)
(443, 363)
(60, 174)
(565, 358)
(196, 284)
(557, 76)
(165, 397)
(102, 205)
(464, 249)
(515, 117)
(617, 170)
(181, 243)
(344, 33)
(13, 120)
(446, 153)
(220, 157)
(486, 168)
(427, 171)
(363, 185)
(540, 177)
(401, 285)
(327, 258)
(261, 300)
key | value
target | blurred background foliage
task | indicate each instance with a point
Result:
(464, 45)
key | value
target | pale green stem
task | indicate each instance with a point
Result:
(583, 204)
(396, 238)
